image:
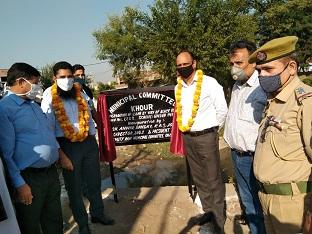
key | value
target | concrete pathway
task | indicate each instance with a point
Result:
(156, 210)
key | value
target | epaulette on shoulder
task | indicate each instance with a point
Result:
(302, 93)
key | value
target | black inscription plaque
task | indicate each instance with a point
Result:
(141, 115)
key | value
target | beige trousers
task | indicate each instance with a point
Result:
(284, 214)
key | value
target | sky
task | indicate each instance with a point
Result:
(41, 32)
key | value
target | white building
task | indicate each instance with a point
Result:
(3, 80)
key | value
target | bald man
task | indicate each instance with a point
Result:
(201, 109)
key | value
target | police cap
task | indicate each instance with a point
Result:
(274, 49)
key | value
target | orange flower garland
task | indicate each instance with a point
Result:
(62, 117)
(196, 97)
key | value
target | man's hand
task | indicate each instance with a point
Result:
(24, 194)
(65, 161)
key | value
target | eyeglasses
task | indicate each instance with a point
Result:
(62, 77)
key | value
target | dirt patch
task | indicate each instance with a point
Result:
(153, 165)
(156, 210)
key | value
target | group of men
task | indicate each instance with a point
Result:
(34, 138)
(268, 128)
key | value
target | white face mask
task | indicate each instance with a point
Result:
(35, 92)
(238, 73)
(65, 84)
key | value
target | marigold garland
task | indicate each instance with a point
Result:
(196, 97)
(62, 118)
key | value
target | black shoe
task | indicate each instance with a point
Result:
(105, 220)
(84, 230)
(200, 219)
(206, 218)
(207, 228)
(209, 223)
(241, 219)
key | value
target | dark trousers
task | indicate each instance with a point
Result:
(248, 190)
(44, 215)
(204, 160)
(85, 159)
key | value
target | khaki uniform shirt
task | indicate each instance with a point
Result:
(283, 151)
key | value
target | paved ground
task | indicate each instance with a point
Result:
(156, 210)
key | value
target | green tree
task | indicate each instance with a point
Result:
(121, 43)
(308, 80)
(46, 78)
(103, 87)
(137, 41)
(205, 27)
(277, 18)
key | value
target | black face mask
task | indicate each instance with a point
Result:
(81, 81)
(185, 72)
(271, 84)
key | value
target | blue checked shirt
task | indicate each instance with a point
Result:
(25, 138)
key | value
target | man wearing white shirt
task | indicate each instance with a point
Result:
(70, 118)
(201, 109)
(248, 100)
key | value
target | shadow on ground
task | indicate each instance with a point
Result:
(158, 210)
(145, 205)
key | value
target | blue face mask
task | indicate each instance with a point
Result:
(271, 84)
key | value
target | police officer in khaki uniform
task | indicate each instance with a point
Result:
(283, 152)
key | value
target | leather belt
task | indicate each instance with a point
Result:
(66, 139)
(285, 188)
(202, 132)
(39, 169)
(241, 153)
